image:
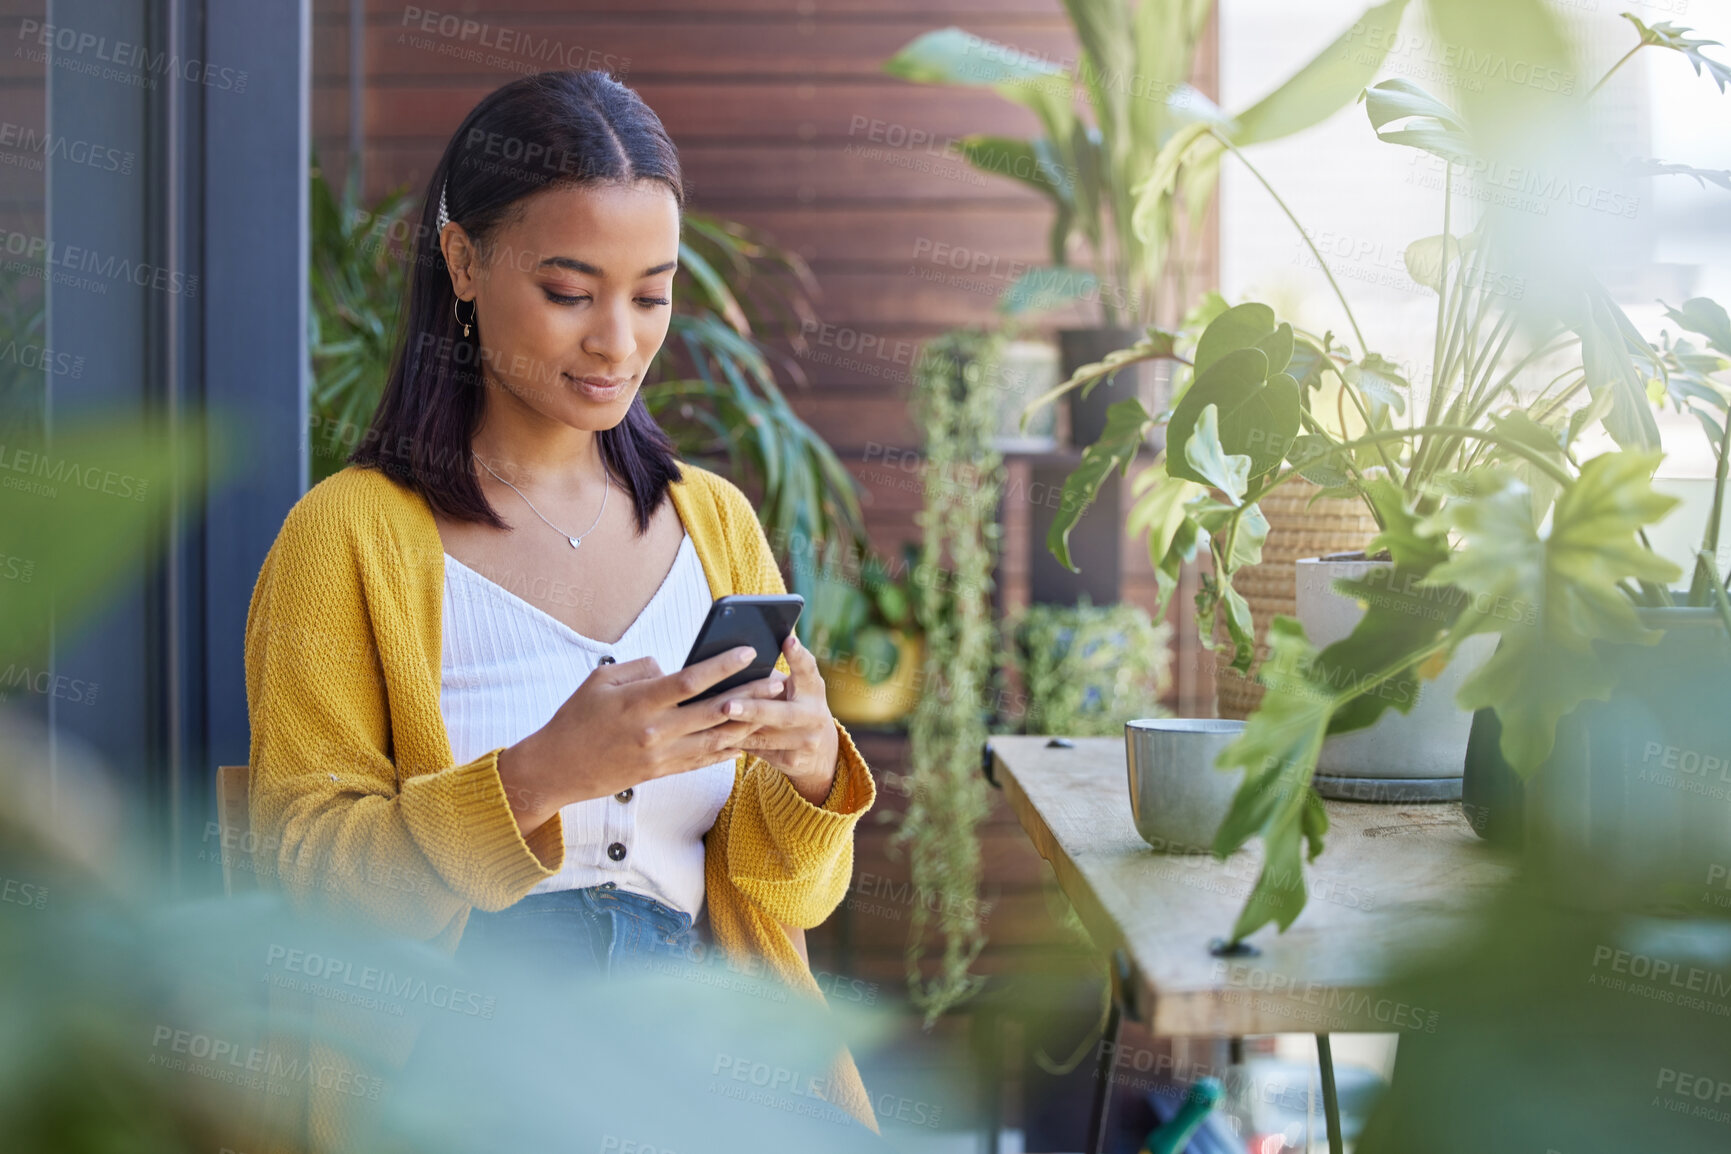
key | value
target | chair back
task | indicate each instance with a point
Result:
(234, 824)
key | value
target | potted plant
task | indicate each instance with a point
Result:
(1133, 68)
(1636, 792)
(1085, 670)
(869, 647)
(1460, 494)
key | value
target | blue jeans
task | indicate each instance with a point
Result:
(598, 930)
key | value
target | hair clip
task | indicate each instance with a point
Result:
(444, 213)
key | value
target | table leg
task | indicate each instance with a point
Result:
(1103, 1076)
(988, 1026)
(1330, 1097)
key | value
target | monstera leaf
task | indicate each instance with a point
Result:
(1422, 120)
(1239, 327)
(1259, 415)
(1676, 38)
(1277, 751)
(1567, 578)
(1209, 460)
(1707, 317)
(1404, 633)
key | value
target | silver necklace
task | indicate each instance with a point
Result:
(575, 541)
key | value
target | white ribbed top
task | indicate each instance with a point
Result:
(507, 666)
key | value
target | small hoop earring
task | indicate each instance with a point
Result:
(459, 317)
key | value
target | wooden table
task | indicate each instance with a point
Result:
(1392, 878)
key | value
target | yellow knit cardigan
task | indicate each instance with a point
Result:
(352, 770)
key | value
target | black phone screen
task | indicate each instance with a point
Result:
(761, 621)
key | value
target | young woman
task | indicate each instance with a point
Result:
(463, 653)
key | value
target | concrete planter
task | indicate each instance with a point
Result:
(1404, 757)
(1177, 796)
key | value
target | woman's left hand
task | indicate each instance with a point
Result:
(795, 731)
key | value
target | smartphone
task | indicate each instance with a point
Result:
(761, 621)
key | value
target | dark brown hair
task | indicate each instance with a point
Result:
(554, 128)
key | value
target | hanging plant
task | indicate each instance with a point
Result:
(953, 400)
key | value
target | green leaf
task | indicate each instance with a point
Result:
(1156, 345)
(1429, 138)
(1707, 317)
(1104, 32)
(1278, 345)
(1520, 428)
(1606, 339)
(1319, 461)
(1217, 591)
(1277, 752)
(1126, 426)
(1402, 622)
(1239, 327)
(1161, 510)
(1020, 160)
(1324, 85)
(877, 648)
(1504, 105)
(1258, 417)
(1378, 379)
(1639, 166)
(1398, 99)
(1410, 544)
(953, 56)
(1427, 123)
(1310, 695)
(1169, 568)
(1210, 463)
(1203, 313)
(1552, 596)
(893, 605)
(1428, 259)
(1153, 205)
(84, 516)
(1308, 364)
(1676, 38)
(1243, 525)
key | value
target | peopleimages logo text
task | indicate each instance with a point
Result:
(372, 979)
(60, 471)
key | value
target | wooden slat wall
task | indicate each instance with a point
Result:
(784, 120)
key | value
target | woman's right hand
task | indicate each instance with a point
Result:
(624, 726)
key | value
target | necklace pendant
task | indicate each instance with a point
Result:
(575, 541)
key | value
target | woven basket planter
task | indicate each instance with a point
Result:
(1296, 529)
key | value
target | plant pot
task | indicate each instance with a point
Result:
(855, 699)
(1632, 810)
(1405, 757)
(1491, 791)
(1177, 796)
(1150, 381)
(1027, 369)
(1297, 528)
